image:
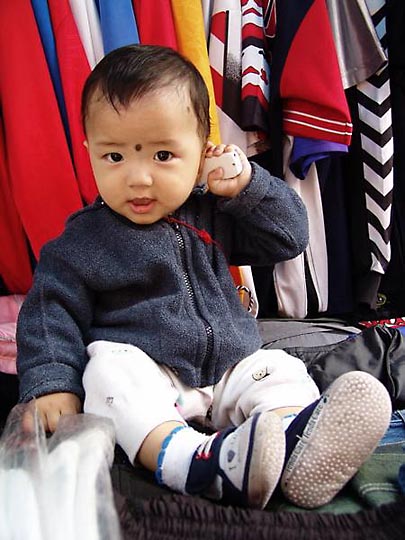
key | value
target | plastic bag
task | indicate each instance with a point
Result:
(57, 488)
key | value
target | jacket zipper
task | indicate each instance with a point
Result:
(208, 328)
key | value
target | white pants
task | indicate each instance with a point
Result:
(126, 385)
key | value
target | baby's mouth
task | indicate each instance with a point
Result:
(142, 205)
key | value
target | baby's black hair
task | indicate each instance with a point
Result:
(133, 71)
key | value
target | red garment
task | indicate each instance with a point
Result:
(42, 178)
(314, 101)
(74, 69)
(155, 23)
(15, 268)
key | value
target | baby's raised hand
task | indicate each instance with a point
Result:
(227, 187)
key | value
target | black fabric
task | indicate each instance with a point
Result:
(365, 282)
(333, 186)
(266, 294)
(177, 517)
(379, 350)
(8, 394)
(393, 283)
(3, 289)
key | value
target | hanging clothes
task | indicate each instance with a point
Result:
(240, 73)
(306, 151)
(15, 268)
(224, 57)
(299, 116)
(118, 25)
(374, 107)
(361, 55)
(307, 98)
(44, 24)
(42, 178)
(155, 23)
(309, 106)
(207, 6)
(370, 172)
(392, 282)
(74, 69)
(313, 100)
(189, 25)
(290, 277)
(254, 70)
(88, 25)
(332, 181)
(358, 47)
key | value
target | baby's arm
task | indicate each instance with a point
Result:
(229, 187)
(52, 321)
(52, 406)
(269, 222)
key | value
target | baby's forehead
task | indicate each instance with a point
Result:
(123, 97)
(173, 98)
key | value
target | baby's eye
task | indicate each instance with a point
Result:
(114, 157)
(163, 155)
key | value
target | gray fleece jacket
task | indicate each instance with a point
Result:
(159, 287)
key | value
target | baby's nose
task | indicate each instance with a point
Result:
(139, 176)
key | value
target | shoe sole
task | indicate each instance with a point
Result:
(267, 459)
(344, 429)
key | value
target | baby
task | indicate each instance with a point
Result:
(134, 312)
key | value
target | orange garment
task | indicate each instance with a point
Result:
(189, 24)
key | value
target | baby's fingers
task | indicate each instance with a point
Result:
(215, 150)
(31, 416)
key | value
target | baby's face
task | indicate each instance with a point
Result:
(146, 157)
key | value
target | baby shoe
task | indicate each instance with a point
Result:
(240, 466)
(329, 440)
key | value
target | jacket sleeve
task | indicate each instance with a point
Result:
(51, 354)
(270, 221)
